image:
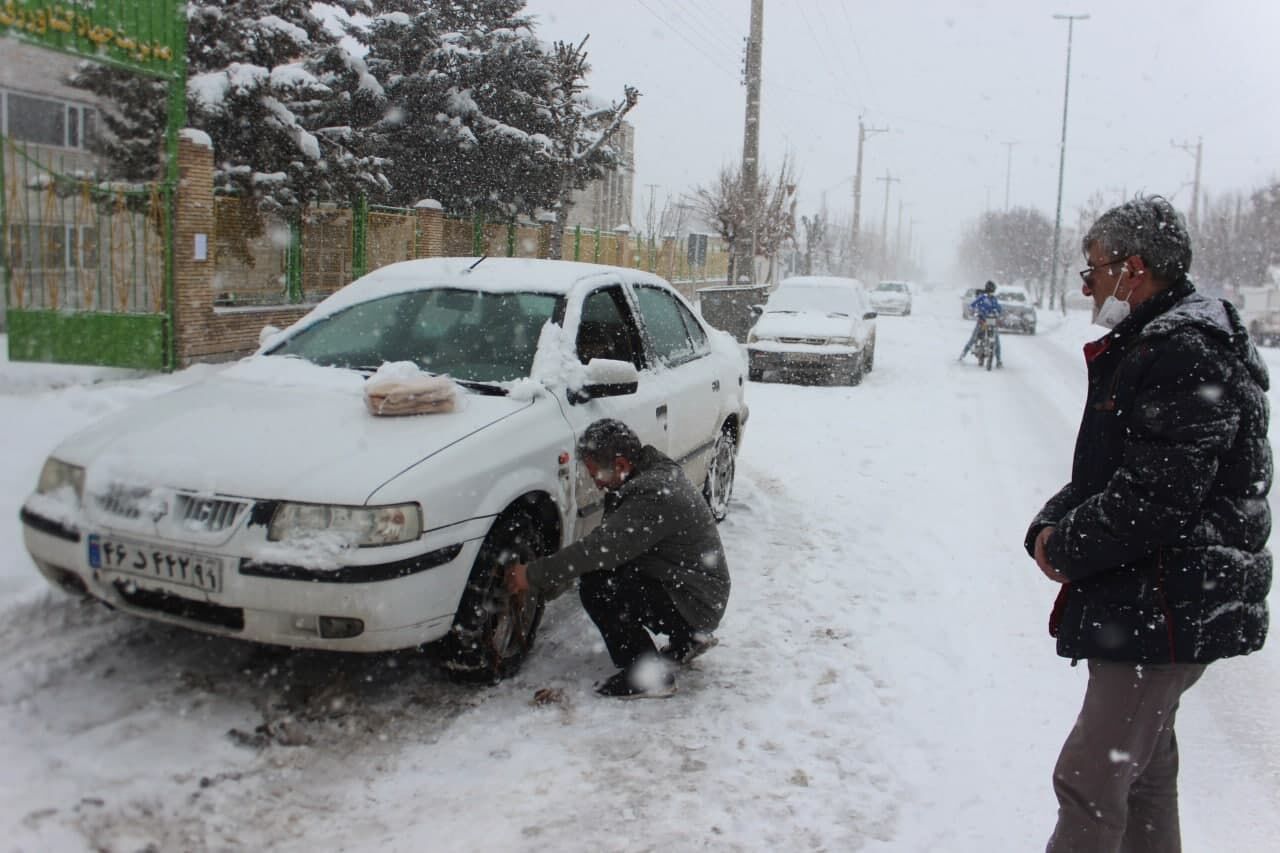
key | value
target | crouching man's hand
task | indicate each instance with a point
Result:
(518, 579)
(1042, 558)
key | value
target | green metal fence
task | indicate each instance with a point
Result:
(87, 261)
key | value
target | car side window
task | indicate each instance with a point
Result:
(606, 329)
(696, 333)
(666, 326)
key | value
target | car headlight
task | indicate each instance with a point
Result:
(842, 342)
(57, 475)
(365, 525)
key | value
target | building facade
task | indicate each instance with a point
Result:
(606, 203)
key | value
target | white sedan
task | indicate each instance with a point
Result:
(814, 326)
(892, 297)
(268, 503)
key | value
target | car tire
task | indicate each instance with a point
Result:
(870, 364)
(717, 488)
(854, 376)
(492, 633)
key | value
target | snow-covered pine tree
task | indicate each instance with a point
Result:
(467, 125)
(282, 100)
(287, 106)
(129, 135)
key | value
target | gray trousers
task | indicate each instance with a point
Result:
(1117, 776)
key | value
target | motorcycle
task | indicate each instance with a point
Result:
(985, 346)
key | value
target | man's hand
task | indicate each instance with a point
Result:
(518, 579)
(1042, 559)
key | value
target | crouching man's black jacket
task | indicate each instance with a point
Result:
(1162, 529)
(659, 523)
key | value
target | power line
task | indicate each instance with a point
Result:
(827, 64)
(709, 36)
(841, 53)
(696, 48)
(857, 49)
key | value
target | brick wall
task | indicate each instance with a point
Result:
(203, 333)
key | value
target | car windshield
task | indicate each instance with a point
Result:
(893, 286)
(468, 334)
(1011, 296)
(821, 300)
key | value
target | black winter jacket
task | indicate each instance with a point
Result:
(659, 523)
(1162, 530)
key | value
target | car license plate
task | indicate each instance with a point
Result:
(200, 571)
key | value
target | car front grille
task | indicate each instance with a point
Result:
(190, 512)
(817, 342)
(208, 514)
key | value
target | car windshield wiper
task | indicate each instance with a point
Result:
(487, 388)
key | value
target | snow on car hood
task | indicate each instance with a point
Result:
(271, 427)
(803, 325)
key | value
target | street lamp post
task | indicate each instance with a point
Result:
(1062, 162)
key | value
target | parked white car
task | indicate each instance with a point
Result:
(891, 297)
(268, 503)
(816, 327)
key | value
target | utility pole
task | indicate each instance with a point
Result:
(897, 242)
(1062, 162)
(745, 249)
(863, 132)
(1008, 171)
(1192, 218)
(884, 222)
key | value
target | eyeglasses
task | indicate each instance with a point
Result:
(1086, 274)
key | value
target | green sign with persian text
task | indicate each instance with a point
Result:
(142, 35)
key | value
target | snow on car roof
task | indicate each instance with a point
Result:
(495, 275)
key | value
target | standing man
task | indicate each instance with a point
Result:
(1159, 539)
(986, 309)
(655, 563)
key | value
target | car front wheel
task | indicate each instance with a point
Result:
(718, 487)
(492, 630)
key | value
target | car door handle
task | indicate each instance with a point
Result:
(715, 385)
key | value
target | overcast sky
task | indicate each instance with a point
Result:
(953, 80)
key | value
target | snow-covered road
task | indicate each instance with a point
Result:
(884, 680)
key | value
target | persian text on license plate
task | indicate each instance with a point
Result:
(182, 567)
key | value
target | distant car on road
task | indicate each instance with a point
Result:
(891, 297)
(1265, 329)
(268, 502)
(1019, 311)
(815, 327)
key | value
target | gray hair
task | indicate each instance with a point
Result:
(1148, 227)
(608, 439)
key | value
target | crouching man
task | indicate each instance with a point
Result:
(655, 563)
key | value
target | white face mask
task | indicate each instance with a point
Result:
(1113, 311)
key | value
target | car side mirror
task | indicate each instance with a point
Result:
(267, 333)
(757, 310)
(870, 315)
(606, 377)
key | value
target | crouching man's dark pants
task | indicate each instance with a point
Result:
(1117, 776)
(624, 603)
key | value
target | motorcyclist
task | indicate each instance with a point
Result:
(985, 308)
